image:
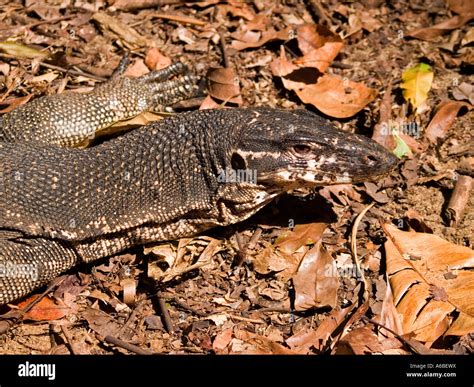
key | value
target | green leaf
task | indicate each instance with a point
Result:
(402, 149)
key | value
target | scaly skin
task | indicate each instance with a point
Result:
(170, 179)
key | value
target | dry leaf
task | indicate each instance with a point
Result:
(417, 261)
(316, 282)
(18, 50)
(129, 36)
(443, 119)
(263, 38)
(319, 45)
(431, 33)
(223, 84)
(155, 60)
(45, 310)
(337, 97)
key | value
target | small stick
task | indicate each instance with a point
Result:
(129, 347)
(181, 304)
(239, 259)
(225, 57)
(72, 345)
(179, 18)
(459, 199)
(166, 315)
(131, 318)
(72, 71)
(354, 250)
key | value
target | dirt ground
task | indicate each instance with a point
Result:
(229, 302)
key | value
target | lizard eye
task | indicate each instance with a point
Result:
(301, 149)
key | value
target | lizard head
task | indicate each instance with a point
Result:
(292, 149)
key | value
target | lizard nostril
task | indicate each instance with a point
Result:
(238, 162)
(371, 158)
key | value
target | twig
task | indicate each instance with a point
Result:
(354, 249)
(179, 18)
(225, 57)
(72, 345)
(131, 318)
(129, 347)
(405, 342)
(166, 315)
(245, 319)
(72, 71)
(181, 304)
(241, 253)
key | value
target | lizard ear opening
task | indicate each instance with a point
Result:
(237, 162)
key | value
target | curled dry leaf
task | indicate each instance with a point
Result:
(285, 255)
(319, 45)
(464, 91)
(431, 33)
(443, 119)
(415, 263)
(307, 338)
(155, 60)
(333, 96)
(223, 84)
(461, 6)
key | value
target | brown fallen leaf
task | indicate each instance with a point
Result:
(337, 97)
(307, 338)
(361, 341)
(252, 344)
(464, 91)
(461, 6)
(223, 84)
(417, 261)
(155, 60)
(45, 310)
(319, 45)
(301, 235)
(316, 282)
(13, 103)
(237, 9)
(259, 39)
(443, 119)
(130, 37)
(431, 33)
(101, 322)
